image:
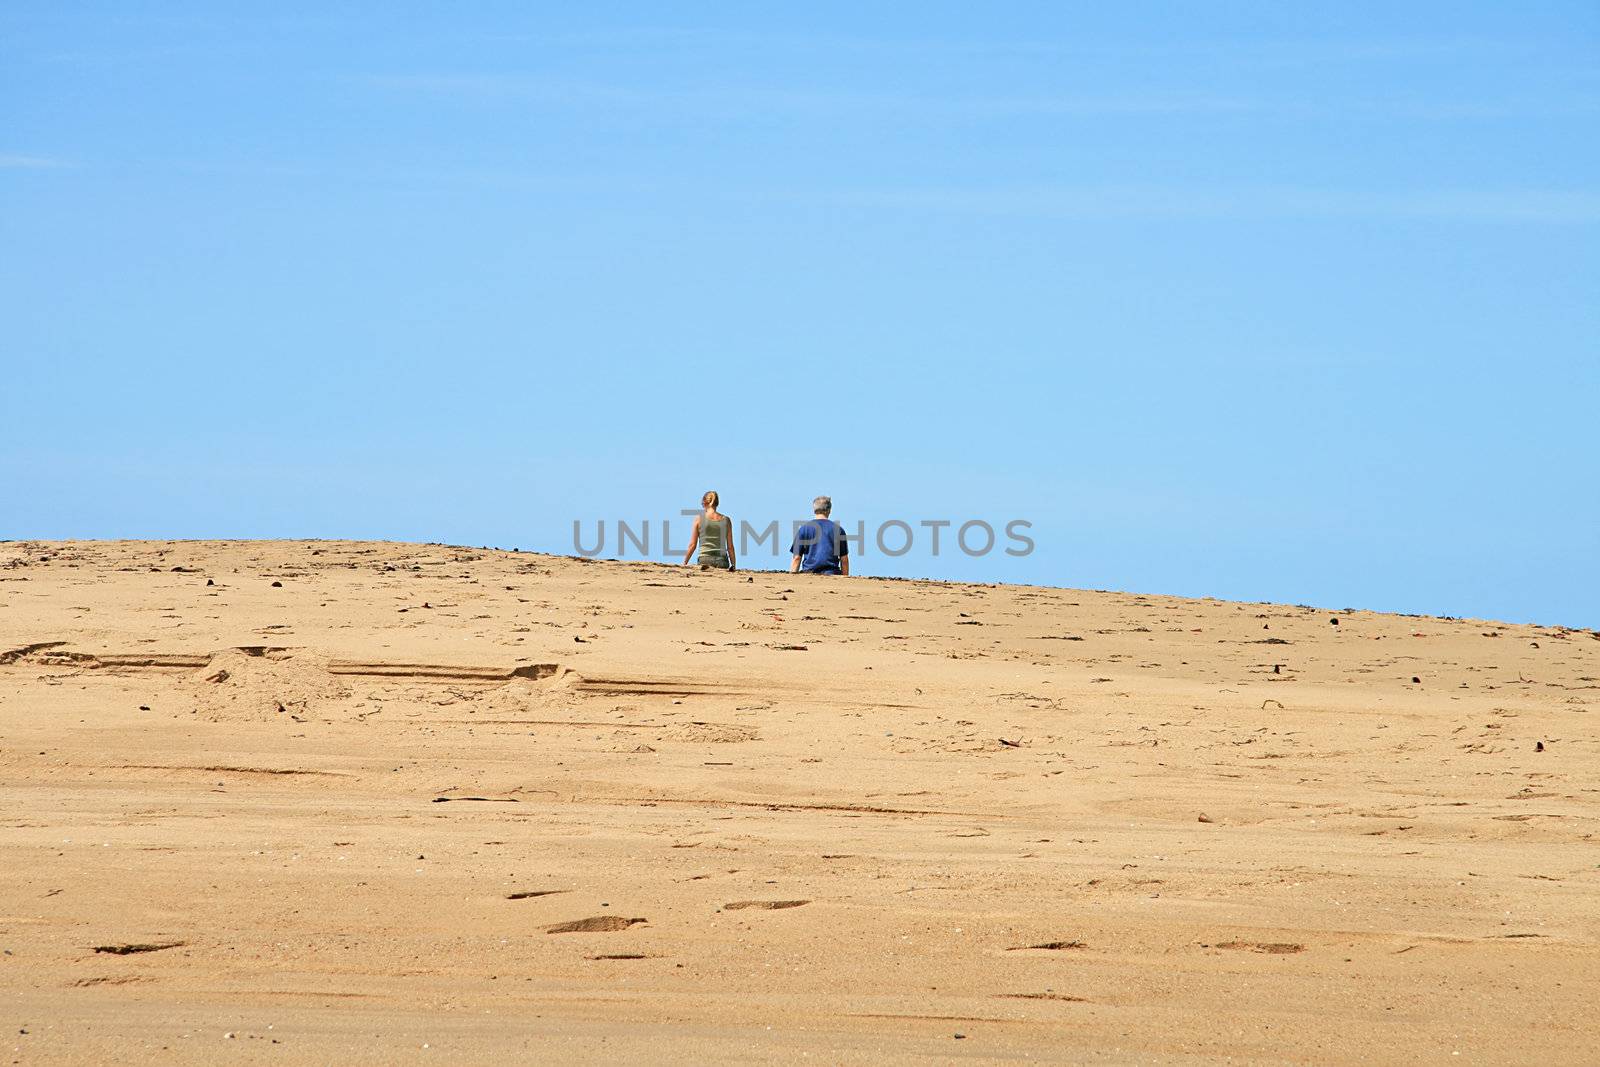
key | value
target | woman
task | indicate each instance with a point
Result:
(713, 532)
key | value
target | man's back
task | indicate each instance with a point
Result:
(821, 546)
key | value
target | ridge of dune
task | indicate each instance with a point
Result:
(377, 796)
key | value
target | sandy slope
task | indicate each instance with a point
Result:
(779, 813)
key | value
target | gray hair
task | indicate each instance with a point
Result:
(823, 505)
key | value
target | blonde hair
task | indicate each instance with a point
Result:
(710, 500)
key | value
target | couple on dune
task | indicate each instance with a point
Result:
(819, 545)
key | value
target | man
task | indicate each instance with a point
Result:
(819, 545)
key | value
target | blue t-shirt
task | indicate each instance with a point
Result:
(821, 545)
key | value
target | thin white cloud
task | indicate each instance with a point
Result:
(1533, 206)
(1544, 206)
(1528, 205)
(740, 100)
(510, 88)
(1285, 51)
(20, 162)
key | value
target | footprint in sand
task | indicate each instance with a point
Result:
(598, 924)
(622, 956)
(713, 732)
(1276, 948)
(1048, 946)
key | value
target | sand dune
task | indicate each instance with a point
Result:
(343, 802)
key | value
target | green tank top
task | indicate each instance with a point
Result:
(714, 539)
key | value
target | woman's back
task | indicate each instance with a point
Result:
(715, 534)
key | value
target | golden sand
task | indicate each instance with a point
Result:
(329, 802)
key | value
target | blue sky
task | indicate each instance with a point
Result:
(1259, 301)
